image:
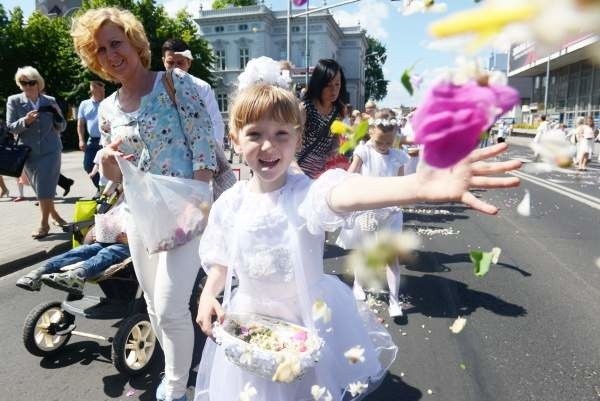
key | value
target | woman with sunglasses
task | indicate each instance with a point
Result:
(37, 121)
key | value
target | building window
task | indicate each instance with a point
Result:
(222, 102)
(243, 27)
(220, 28)
(295, 29)
(220, 60)
(244, 57)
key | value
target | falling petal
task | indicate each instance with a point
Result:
(598, 263)
(355, 354)
(321, 311)
(463, 366)
(130, 393)
(524, 208)
(495, 254)
(357, 388)
(458, 325)
(247, 393)
(429, 391)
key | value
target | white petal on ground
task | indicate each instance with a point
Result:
(458, 325)
(355, 354)
(357, 388)
(496, 254)
(247, 393)
(524, 208)
(321, 311)
(598, 263)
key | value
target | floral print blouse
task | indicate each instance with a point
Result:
(162, 140)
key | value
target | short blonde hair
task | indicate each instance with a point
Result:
(29, 74)
(86, 26)
(261, 102)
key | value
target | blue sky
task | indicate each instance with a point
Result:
(404, 37)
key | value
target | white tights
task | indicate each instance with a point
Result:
(167, 279)
(392, 274)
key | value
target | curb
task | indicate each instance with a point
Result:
(27, 260)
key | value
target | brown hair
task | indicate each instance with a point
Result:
(85, 27)
(264, 101)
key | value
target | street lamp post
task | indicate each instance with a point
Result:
(307, 12)
(547, 85)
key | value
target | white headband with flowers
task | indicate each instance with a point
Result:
(264, 70)
(383, 122)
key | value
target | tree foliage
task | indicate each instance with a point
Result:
(375, 83)
(218, 4)
(45, 43)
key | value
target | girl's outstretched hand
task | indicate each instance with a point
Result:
(451, 185)
(209, 306)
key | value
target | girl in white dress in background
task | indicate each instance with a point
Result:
(270, 231)
(377, 158)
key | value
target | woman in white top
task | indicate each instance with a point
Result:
(585, 139)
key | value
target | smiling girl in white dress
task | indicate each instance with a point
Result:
(377, 158)
(270, 231)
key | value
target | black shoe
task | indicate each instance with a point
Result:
(68, 187)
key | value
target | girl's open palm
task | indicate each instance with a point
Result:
(452, 185)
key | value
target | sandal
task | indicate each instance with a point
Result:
(68, 282)
(62, 224)
(40, 232)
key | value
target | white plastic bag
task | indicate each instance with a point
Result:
(167, 211)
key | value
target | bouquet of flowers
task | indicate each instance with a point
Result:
(268, 347)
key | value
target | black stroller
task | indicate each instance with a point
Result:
(49, 326)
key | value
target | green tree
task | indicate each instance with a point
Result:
(376, 84)
(217, 4)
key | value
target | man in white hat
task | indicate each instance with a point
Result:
(177, 54)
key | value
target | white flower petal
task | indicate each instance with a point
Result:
(458, 325)
(321, 311)
(355, 354)
(247, 393)
(357, 388)
(496, 254)
(524, 208)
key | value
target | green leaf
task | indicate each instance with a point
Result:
(406, 82)
(481, 262)
(462, 366)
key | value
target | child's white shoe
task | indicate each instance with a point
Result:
(395, 309)
(358, 291)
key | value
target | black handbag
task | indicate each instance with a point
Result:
(12, 158)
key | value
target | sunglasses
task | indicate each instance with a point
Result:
(28, 83)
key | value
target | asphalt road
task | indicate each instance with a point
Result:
(532, 321)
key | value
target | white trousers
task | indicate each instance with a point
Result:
(167, 279)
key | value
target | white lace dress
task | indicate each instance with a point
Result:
(375, 164)
(252, 233)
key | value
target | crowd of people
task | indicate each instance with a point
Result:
(268, 231)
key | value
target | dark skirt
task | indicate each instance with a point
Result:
(42, 172)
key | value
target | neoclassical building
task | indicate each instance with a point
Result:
(57, 7)
(238, 34)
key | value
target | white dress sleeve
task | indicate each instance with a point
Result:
(214, 245)
(361, 151)
(314, 208)
(399, 158)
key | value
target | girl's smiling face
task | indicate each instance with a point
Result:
(269, 148)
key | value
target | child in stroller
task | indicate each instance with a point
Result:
(108, 247)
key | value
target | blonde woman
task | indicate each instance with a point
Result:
(141, 121)
(37, 121)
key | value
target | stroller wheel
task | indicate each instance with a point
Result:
(41, 327)
(135, 345)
